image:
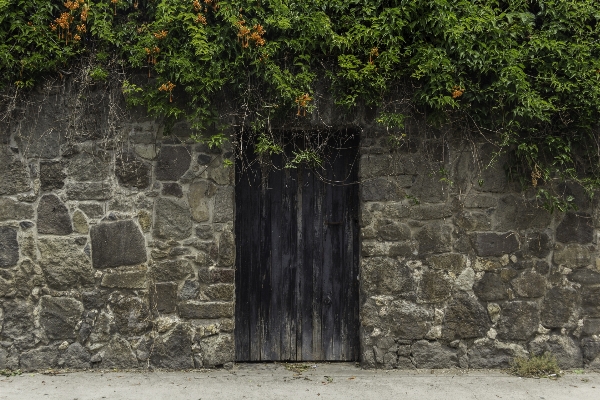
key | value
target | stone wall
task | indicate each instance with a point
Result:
(462, 269)
(117, 249)
(116, 242)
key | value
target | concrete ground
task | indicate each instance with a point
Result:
(319, 381)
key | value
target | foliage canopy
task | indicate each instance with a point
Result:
(525, 73)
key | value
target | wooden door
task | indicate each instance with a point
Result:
(297, 261)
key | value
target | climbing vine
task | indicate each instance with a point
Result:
(525, 74)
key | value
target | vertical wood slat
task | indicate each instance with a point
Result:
(291, 261)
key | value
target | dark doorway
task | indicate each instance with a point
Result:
(297, 260)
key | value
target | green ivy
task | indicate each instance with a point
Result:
(526, 74)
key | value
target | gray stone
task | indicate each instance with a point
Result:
(429, 188)
(132, 172)
(173, 189)
(215, 275)
(18, 319)
(217, 350)
(530, 284)
(223, 208)
(190, 290)
(80, 224)
(575, 228)
(480, 201)
(226, 249)
(392, 230)
(473, 221)
(64, 263)
(591, 348)
(38, 359)
(591, 301)
(591, 326)
(465, 318)
(390, 188)
(118, 354)
(585, 276)
(516, 213)
(572, 255)
(52, 175)
(538, 244)
(172, 219)
(450, 262)
(430, 211)
(199, 198)
(386, 276)
(406, 320)
(434, 238)
(9, 247)
(567, 352)
(220, 292)
(204, 159)
(130, 279)
(14, 175)
(173, 351)
(92, 210)
(76, 357)
(491, 287)
(131, 316)
(117, 243)
(558, 307)
(434, 287)
(205, 310)
(519, 320)
(433, 355)
(172, 162)
(53, 216)
(94, 299)
(14, 210)
(494, 244)
(89, 166)
(59, 316)
(89, 190)
(164, 297)
(171, 270)
(486, 353)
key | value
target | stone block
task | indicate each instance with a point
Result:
(89, 190)
(567, 352)
(433, 355)
(434, 287)
(465, 318)
(591, 326)
(190, 290)
(89, 166)
(39, 359)
(585, 276)
(529, 284)
(590, 348)
(220, 292)
(516, 213)
(53, 216)
(172, 162)
(217, 350)
(430, 211)
(392, 230)
(205, 310)
(486, 353)
(572, 255)
(76, 357)
(216, 275)
(164, 297)
(391, 188)
(131, 279)
(519, 320)
(131, 171)
(406, 320)
(59, 316)
(64, 263)
(116, 244)
(575, 228)
(9, 247)
(171, 270)
(18, 319)
(14, 210)
(386, 276)
(488, 244)
(224, 204)
(14, 174)
(80, 224)
(429, 188)
(118, 354)
(480, 201)
(131, 316)
(173, 351)
(226, 249)
(92, 210)
(538, 244)
(172, 219)
(450, 262)
(52, 175)
(434, 238)
(491, 287)
(199, 199)
(173, 189)
(559, 307)
(473, 221)
(591, 301)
